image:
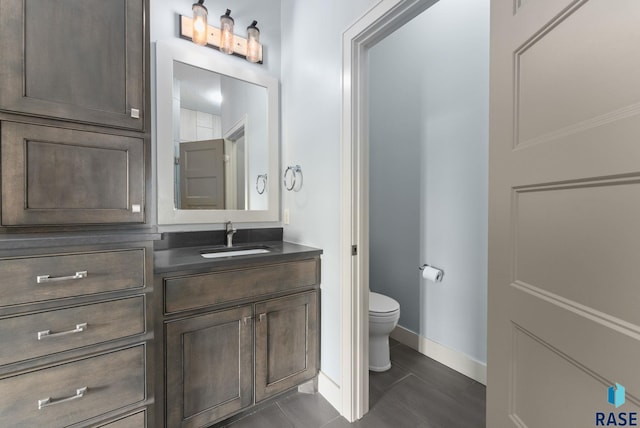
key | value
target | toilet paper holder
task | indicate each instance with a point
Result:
(431, 266)
(440, 274)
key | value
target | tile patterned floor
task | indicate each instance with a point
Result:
(417, 392)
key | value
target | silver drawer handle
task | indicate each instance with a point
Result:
(262, 317)
(246, 320)
(47, 333)
(80, 392)
(47, 278)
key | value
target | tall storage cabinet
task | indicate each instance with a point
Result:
(75, 125)
(76, 257)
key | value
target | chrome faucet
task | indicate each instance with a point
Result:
(230, 232)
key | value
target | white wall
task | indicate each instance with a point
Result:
(245, 101)
(429, 155)
(311, 114)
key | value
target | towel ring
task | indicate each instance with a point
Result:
(295, 170)
(259, 178)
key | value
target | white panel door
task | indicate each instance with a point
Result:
(202, 175)
(564, 228)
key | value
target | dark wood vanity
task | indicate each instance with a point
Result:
(236, 331)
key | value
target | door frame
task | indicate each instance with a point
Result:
(232, 136)
(380, 21)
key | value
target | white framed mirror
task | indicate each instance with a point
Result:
(217, 138)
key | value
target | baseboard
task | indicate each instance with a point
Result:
(330, 391)
(455, 360)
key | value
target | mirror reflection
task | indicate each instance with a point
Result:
(219, 142)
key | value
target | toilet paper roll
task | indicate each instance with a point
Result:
(432, 274)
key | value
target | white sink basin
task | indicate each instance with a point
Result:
(229, 252)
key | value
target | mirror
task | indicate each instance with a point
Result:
(217, 141)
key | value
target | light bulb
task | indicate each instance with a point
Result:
(253, 43)
(199, 23)
(226, 33)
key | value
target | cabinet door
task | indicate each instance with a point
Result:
(286, 343)
(56, 176)
(80, 60)
(209, 367)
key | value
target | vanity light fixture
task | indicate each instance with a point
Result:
(199, 23)
(223, 39)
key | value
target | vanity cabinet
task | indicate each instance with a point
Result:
(75, 334)
(77, 60)
(250, 333)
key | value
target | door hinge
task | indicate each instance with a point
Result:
(354, 250)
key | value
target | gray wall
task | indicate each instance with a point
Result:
(429, 165)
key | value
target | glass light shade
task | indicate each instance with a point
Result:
(200, 29)
(253, 43)
(226, 33)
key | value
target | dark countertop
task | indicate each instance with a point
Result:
(189, 258)
(17, 241)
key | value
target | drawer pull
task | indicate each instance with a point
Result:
(40, 279)
(47, 333)
(262, 317)
(246, 320)
(46, 402)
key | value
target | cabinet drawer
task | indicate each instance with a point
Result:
(55, 176)
(198, 291)
(105, 271)
(112, 381)
(34, 335)
(139, 420)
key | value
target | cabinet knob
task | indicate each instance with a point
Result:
(135, 113)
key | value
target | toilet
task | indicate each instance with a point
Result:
(384, 313)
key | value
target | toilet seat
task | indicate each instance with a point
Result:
(381, 305)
